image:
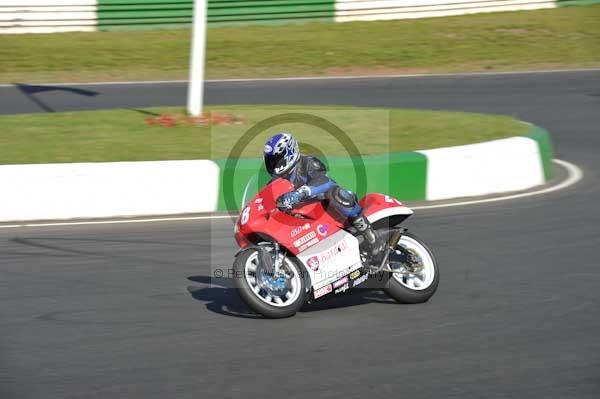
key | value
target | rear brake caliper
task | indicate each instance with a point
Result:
(407, 259)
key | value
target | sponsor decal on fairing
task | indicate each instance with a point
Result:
(323, 229)
(305, 239)
(313, 263)
(343, 280)
(360, 280)
(308, 244)
(328, 255)
(354, 274)
(343, 288)
(299, 230)
(323, 291)
(391, 200)
(337, 256)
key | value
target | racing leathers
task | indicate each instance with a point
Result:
(311, 183)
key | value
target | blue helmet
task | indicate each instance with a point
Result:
(281, 154)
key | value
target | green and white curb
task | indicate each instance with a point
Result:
(497, 166)
(123, 189)
(511, 164)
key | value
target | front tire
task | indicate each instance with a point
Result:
(255, 288)
(417, 287)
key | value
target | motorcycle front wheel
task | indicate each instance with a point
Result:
(417, 276)
(271, 296)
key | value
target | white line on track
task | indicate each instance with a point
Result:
(165, 219)
(303, 78)
(575, 174)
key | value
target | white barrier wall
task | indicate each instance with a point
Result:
(93, 190)
(46, 16)
(361, 10)
(478, 169)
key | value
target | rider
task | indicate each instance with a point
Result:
(309, 177)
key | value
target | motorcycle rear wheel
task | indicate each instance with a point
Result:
(419, 286)
(254, 289)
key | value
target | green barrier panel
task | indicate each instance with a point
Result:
(401, 175)
(235, 179)
(544, 141)
(149, 14)
(566, 3)
(407, 179)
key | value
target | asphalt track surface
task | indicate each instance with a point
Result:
(128, 310)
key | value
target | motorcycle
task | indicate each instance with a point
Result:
(287, 259)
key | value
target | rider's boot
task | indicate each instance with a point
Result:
(375, 245)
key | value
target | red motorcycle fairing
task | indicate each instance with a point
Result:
(305, 226)
(297, 231)
(379, 206)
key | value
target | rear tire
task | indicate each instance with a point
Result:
(256, 301)
(404, 291)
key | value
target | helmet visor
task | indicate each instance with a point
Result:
(275, 164)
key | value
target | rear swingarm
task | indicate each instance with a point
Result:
(391, 246)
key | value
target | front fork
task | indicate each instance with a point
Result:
(277, 264)
(271, 267)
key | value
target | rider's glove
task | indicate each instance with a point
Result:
(287, 201)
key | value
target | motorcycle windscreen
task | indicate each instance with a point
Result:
(255, 184)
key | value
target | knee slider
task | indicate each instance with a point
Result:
(344, 197)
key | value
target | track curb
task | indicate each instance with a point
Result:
(504, 165)
(138, 189)
(573, 174)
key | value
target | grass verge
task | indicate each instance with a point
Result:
(556, 38)
(126, 135)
